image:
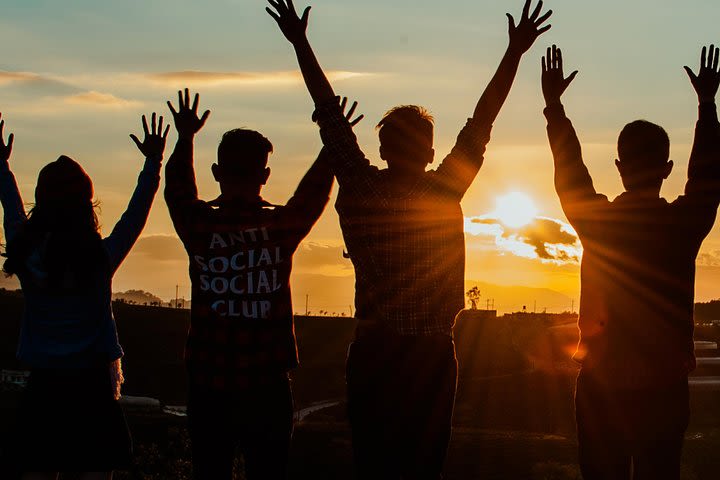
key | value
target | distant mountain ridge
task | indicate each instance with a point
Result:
(508, 299)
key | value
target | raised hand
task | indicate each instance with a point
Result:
(707, 80)
(292, 26)
(554, 82)
(529, 29)
(349, 114)
(5, 148)
(153, 145)
(186, 118)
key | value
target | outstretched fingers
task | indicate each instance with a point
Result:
(145, 126)
(525, 10)
(536, 12)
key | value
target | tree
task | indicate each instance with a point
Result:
(473, 296)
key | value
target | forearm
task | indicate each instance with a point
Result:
(313, 191)
(496, 92)
(572, 179)
(315, 79)
(13, 211)
(704, 164)
(344, 156)
(180, 174)
(133, 220)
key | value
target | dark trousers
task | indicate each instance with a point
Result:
(630, 433)
(258, 422)
(401, 392)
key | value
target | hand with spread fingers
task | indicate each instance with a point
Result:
(554, 82)
(153, 145)
(707, 80)
(351, 112)
(5, 148)
(291, 25)
(187, 122)
(524, 34)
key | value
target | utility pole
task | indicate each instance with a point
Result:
(177, 287)
(306, 304)
(572, 307)
(351, 312)
(487, 304)
(534, 306)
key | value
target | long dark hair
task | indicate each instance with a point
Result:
(62, 229)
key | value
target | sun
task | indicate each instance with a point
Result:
(515, 209)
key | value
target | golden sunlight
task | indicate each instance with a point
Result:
(515, 209)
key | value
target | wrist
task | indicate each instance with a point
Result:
(186, 136)
(706, 99)
(553, 102)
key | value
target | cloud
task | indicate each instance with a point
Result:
(313, 257)
(247, 79)
(709, 259)
(547, 239)
(545, 235)
(36, 83)
(99, 99)
(163, 248)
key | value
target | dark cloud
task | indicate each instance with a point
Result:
(550, 238)
(541, 233)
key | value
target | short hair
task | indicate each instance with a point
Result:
(643, 142)
(246, 146)
(412, 121)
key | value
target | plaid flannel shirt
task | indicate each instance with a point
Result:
(241, 331)
(407, 244)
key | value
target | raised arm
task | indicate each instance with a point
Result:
(313, 191)
(128, 228)
(521, 37)
(702, 189)
(13, 211)
(573, 183)
(460, 167)
(181, 194)
(349, 164)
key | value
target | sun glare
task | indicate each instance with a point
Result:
(515, 209)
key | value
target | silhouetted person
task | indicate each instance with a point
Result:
(69, 418)
(637, 276)
(403, 228)
(241, 343)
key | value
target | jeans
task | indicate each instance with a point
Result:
(630, 433)
(258, 421)
(401, 393)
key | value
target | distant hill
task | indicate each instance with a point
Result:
(513, 298)
(140, 297)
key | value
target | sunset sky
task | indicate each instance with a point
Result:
(76, 76)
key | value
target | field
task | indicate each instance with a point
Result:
(513, 418)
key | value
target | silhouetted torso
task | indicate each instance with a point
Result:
(638, 267)
(240, 254)
(406, 241)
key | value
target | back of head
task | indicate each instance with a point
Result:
(643, 151)
(243, 152)
(63, 181)
(62, 226)
(406, 137)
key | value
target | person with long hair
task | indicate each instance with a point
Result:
(69, 418)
